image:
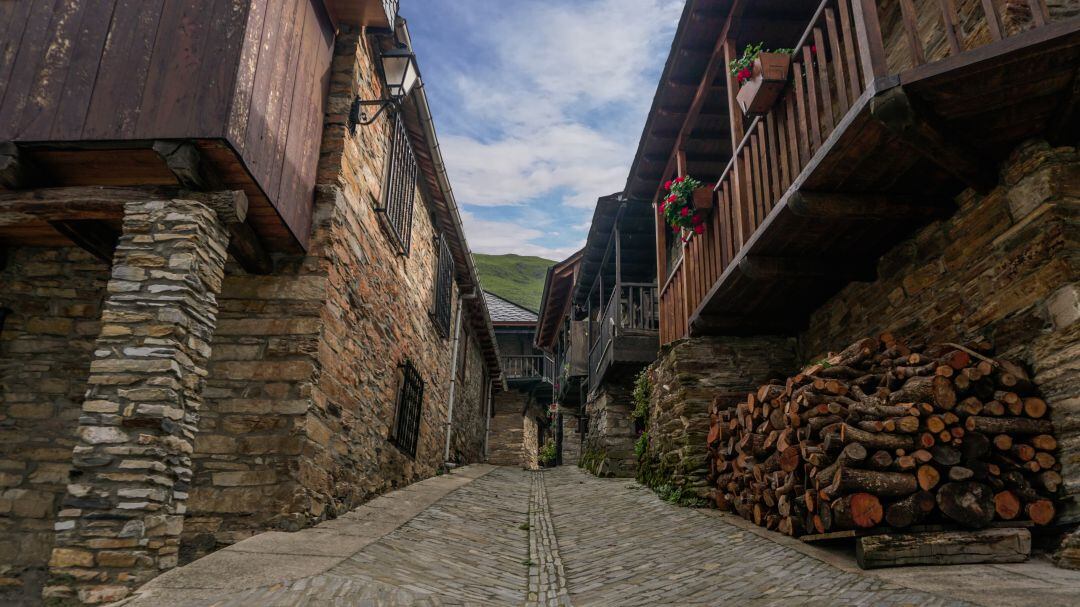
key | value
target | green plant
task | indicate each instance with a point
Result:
(548, 453)
(642, 445)
(642, 393)
(678, 207)
(524, 526)
(743, 67)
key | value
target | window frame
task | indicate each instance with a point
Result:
(442, 305)
(401, 176)
(405, 432)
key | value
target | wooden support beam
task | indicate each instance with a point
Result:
(709, 324)
(759, 268)
(186, 163)
(916, 127)
(830, 205)
(17, 171)
(99, 202)
(93, 235)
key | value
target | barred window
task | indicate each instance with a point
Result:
(407, 420)
(399, 189)
(444, 288)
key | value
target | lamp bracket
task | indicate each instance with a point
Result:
(360, 116)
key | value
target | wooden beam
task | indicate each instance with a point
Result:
(187, 165)
(99, 202)
(710, 324)
(93, 235)
(836, 205)
(916, 127)
(245, 246)
(17, 171)
(766, 269)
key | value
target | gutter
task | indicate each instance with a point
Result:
(434, 148)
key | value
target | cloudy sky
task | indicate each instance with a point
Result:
(539, 105)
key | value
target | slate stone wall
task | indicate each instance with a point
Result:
(608, 447)
(507, 430)
(53, 297)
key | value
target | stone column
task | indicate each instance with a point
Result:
(120, 522)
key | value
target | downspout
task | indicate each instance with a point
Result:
(488, 398)
(454, 371)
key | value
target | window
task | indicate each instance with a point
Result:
(444, 288)
(407, 420)
(399, 189)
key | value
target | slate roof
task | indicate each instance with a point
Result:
(503, 311)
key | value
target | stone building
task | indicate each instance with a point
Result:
(565, 341)
(228, 303)
(599, 322)
(520, 415)
(919, 178)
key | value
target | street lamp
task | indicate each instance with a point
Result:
(400, 75)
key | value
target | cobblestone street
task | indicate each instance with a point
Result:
(502, 536)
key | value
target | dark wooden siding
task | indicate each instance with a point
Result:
(254, 73)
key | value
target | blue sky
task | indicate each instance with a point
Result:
(539, 105)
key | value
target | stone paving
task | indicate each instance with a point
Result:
(503, 536)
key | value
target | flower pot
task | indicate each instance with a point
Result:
(703, 199)
(760, 92)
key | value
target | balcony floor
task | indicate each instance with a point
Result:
(890, 167)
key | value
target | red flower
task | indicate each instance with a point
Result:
(685, 211)
(813, 48)
(698, 229)
(667, 186)
(678, 180)
(675, 229)
(672, 198)
(745, 74)
(697, 219)
(663, 206)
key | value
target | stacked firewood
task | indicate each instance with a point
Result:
(887, 434)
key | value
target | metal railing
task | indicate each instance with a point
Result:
(523, 366)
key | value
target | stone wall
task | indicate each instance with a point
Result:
(571, 440)
(608, 448)
(686, 378)
(1004, 268)
(54, 296)
(530, 443)
(470, 407)
(507, 429)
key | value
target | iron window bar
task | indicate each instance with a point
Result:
(409, 407)
(399, 188)
(444, 288)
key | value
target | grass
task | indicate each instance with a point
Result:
(516, 278)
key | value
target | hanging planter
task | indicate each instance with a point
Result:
(762, 77)
(686, 205)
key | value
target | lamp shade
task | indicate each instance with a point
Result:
(399, 69)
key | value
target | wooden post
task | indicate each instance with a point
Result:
(735, 115)
(868, 33)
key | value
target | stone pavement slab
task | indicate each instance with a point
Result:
(504, 536)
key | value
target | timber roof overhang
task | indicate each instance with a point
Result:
(684, 107)
(638, 232)
(555, 302)
(435, 183)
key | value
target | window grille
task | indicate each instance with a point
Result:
(399, 190)
(410, 399)
(444, 288)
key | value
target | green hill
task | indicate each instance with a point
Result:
(517, 278)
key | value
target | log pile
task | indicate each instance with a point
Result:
(884, 434)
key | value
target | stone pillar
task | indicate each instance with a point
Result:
(120, 522)
(571, 439)
(608, 448)
(685, 380)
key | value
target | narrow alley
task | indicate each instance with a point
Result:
(485, 535)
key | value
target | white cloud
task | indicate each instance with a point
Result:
(499, 237)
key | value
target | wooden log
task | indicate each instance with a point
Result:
(944, 393)
(851, 454)
(1008, 425)
(914, 390)
(910, 510)
(851, 434)
(969, 503)
(945, 455)
(1006, 505)
(880, 460)
(884, 484)
(928, 477)
(1044, 442)
(943, 548)
(1049, 480)
(1041, 512)
(1034, 407)
(862, 510)
(960, 473)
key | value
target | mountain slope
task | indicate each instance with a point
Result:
(517, 278)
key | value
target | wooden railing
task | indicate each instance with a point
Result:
(523, 366)
(631, 310)
(839, 57)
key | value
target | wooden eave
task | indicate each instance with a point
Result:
(555, 302)
(636, 225)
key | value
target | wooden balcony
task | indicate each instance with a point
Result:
(627, 331)
(524, 367)
(199, 95)
(879, 128)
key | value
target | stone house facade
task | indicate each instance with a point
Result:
(996, 263)
(161, 397)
